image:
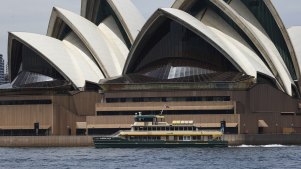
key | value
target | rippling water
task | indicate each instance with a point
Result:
(272, 156)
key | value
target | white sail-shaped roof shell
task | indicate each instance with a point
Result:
(285, 35)
(127, 13)
(295, 36)
(65, 59)
(238, 55)
(249, 24)
(109, 55)
(242, 17)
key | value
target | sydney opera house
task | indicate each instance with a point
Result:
(202, 60)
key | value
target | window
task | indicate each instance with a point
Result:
(169, 99)
(24, 102)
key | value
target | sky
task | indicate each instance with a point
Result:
(33, 15)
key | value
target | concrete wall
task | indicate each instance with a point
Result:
(275, 121)
(46, 141)
(82, 103)
(60, 115)
(264, 139)
(71, 109)
(24, 116)
(261, 102)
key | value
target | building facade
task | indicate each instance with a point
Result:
(207, 61)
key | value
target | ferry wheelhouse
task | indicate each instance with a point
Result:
(152, 131)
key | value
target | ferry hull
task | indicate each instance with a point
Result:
(158, 144)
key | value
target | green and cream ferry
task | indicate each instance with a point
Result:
(151, 131)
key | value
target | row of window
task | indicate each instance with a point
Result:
(24, 132)
(24, 102)
(170, 138)
(168, 99)
(166, 112)
(145, 138)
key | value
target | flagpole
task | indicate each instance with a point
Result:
(165, 106)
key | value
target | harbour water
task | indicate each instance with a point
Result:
(247, 157)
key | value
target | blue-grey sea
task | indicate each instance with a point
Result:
(245, 157)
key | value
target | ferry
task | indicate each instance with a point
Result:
(151, 131)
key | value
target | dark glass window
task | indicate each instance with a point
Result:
(104, 11)
(63, 30)
(24, 132)
(266, 19)
(175, 51)
(32, 62)
(16, 54)
(169, 99)
(166, 112)
(24, 102)
(33, 80)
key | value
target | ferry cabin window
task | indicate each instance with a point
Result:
(144, 138)
(185, 138)
(144, 119)
(217, 138)
(210, 137)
